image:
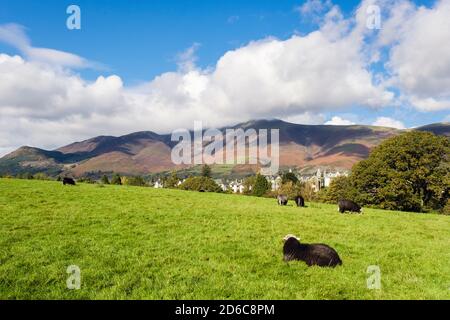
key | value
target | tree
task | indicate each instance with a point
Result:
(409, 172)
(200, 184)
(137, 181)
(290, 189)
(340, 189)
(104, 179)
(116, 179)
(206, 171)
(289, 176)
(249, 185)
(261, 186)
(172, 181)
(41, 176)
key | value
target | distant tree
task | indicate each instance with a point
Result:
(116, 179)
(26, 175)
(340, 188)
(290, 189)
(104, 179)
(409, 172)
(172, 181)
(137, 181)
(249, 185)
(206, 171)
(307, 191)
(261, 187)
(289, 176)
(40, 176)
(200, 184)
(88, 180)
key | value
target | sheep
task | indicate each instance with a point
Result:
(282, 200)
(312, 254)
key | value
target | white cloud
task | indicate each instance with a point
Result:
(388, 122)
(313, 8)
(14, 35)
(187, 59)
(306, 118)
(420, 54)
(44, 103)
(49, 105)
(338, 121)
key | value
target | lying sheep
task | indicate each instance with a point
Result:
(313, 254)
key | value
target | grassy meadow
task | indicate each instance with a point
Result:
(144, 243)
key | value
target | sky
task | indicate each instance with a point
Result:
(161, 65)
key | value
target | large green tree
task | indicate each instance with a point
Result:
(408, 172)
(261, 186)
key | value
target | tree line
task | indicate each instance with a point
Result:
(409, 172)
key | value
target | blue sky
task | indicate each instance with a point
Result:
(139, 41)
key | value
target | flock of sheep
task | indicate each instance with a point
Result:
(313, 254)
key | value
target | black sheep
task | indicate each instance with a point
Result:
(300, 201)
(68, 181)
(313, 254)
(348, 205)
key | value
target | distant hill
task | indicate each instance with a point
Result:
(148, 152)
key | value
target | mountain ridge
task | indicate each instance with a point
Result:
(147, 152)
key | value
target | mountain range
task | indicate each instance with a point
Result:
(145, 153)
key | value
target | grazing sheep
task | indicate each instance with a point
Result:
(313, 254)
(68, 181)
(348, 205)
(300, 201)
(282, 200)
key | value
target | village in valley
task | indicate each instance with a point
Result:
(316, 179)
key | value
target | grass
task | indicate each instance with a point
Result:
(143, 243)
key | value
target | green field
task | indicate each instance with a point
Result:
(143, 243)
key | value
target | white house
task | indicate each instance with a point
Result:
(158, 185)
(237, 186)
(275, 182)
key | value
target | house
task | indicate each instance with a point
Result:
(158, 184)
(328, 177)
(275, 182)
(237, 186)
(323, 179)
(221, 184)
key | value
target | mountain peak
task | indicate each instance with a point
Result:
(146, 152)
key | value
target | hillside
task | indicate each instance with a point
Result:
(145, 243)
(149, 152)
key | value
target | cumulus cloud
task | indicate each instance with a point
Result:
(388, 122)
(299, 76)
(419, 58)
(44, 102)
(338, 121)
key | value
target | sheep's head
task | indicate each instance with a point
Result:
(290, 236)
